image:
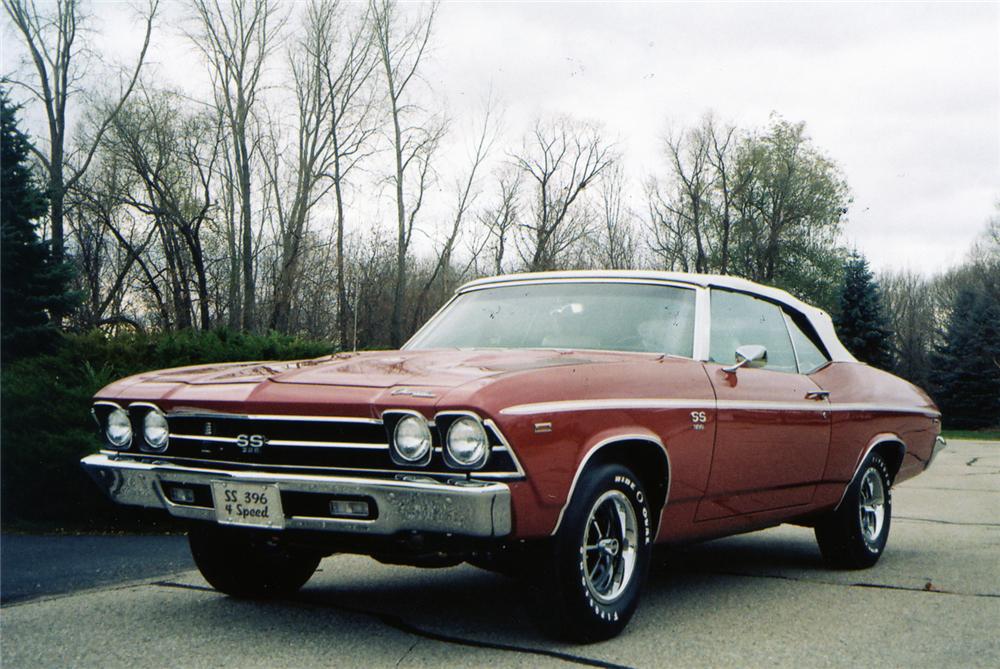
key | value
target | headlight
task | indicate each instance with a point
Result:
(155, 430)
(412, 439)
(467, 443)
(119, 429)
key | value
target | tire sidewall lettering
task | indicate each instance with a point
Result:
(610, 613)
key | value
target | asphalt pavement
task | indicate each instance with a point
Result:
(761, 599)
(33, 566)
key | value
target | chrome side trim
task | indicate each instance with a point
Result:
(884, 408)
(286, 442)
(605, 405)
(879, 439)
(601, 444)
(733, 405)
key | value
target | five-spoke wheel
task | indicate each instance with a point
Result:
(610, 546)
(599, 558)
(853, 536)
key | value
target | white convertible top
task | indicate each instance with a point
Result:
(819, 319)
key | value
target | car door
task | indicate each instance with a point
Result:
(773, 422)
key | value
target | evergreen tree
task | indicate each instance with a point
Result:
(31, 284)
(966, 366)
(861, 323)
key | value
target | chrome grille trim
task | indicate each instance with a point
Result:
(311, 443)
(154, 457)
(212, 415)
(286, 442)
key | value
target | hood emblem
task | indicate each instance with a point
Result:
(413, 393)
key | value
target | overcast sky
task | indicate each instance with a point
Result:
(904, 97)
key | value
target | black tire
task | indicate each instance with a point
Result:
(599, 558)
(854, 535)
(249, 564)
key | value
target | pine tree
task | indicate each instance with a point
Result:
(31, 284)
(861, 323)
(966, 366)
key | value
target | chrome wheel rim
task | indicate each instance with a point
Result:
(871, 506)
(609, 546)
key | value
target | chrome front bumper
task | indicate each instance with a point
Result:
(455, 506)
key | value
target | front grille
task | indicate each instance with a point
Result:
(228, 441)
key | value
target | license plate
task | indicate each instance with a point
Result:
(253, 504)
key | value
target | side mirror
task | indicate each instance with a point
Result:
(750, 355)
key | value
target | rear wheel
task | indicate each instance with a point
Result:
(249, 564)
(854, 536)
(599, 559)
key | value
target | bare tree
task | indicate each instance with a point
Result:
(173, 156)
(466, 193)
(562, 158)
(113, 247)
(911, 310)
(680, 208)
(51, 34)
(617, 247)
(401, 48)
(351, 126)
(498, 221)
(728, 184)
(237, 38)
(313, 157)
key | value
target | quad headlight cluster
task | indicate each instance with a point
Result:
(464, 440)
(119, 425)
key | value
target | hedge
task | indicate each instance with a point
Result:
(46, 427)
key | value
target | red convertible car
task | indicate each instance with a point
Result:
(554, 425)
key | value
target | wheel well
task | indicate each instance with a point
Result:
(892, 451)
(647, 460)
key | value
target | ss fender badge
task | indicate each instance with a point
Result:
(698, 420)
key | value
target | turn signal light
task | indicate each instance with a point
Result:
(349, 509)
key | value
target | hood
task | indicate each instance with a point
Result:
(447, 368)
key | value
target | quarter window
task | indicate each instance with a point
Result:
(739, 319)
(811, 357)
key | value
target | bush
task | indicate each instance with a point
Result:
(46, 425)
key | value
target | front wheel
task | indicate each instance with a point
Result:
(599, 559)
(249, 564)
(854, 535)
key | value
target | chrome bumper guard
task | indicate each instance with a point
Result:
(939, 445)
(457, 506)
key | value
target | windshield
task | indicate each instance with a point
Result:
(603, 316)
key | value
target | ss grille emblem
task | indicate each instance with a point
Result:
(251, 443)
(208, 428)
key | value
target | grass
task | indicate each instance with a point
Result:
(977, 435)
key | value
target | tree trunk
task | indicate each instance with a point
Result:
(396, 327)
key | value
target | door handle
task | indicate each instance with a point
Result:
(818, 395)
